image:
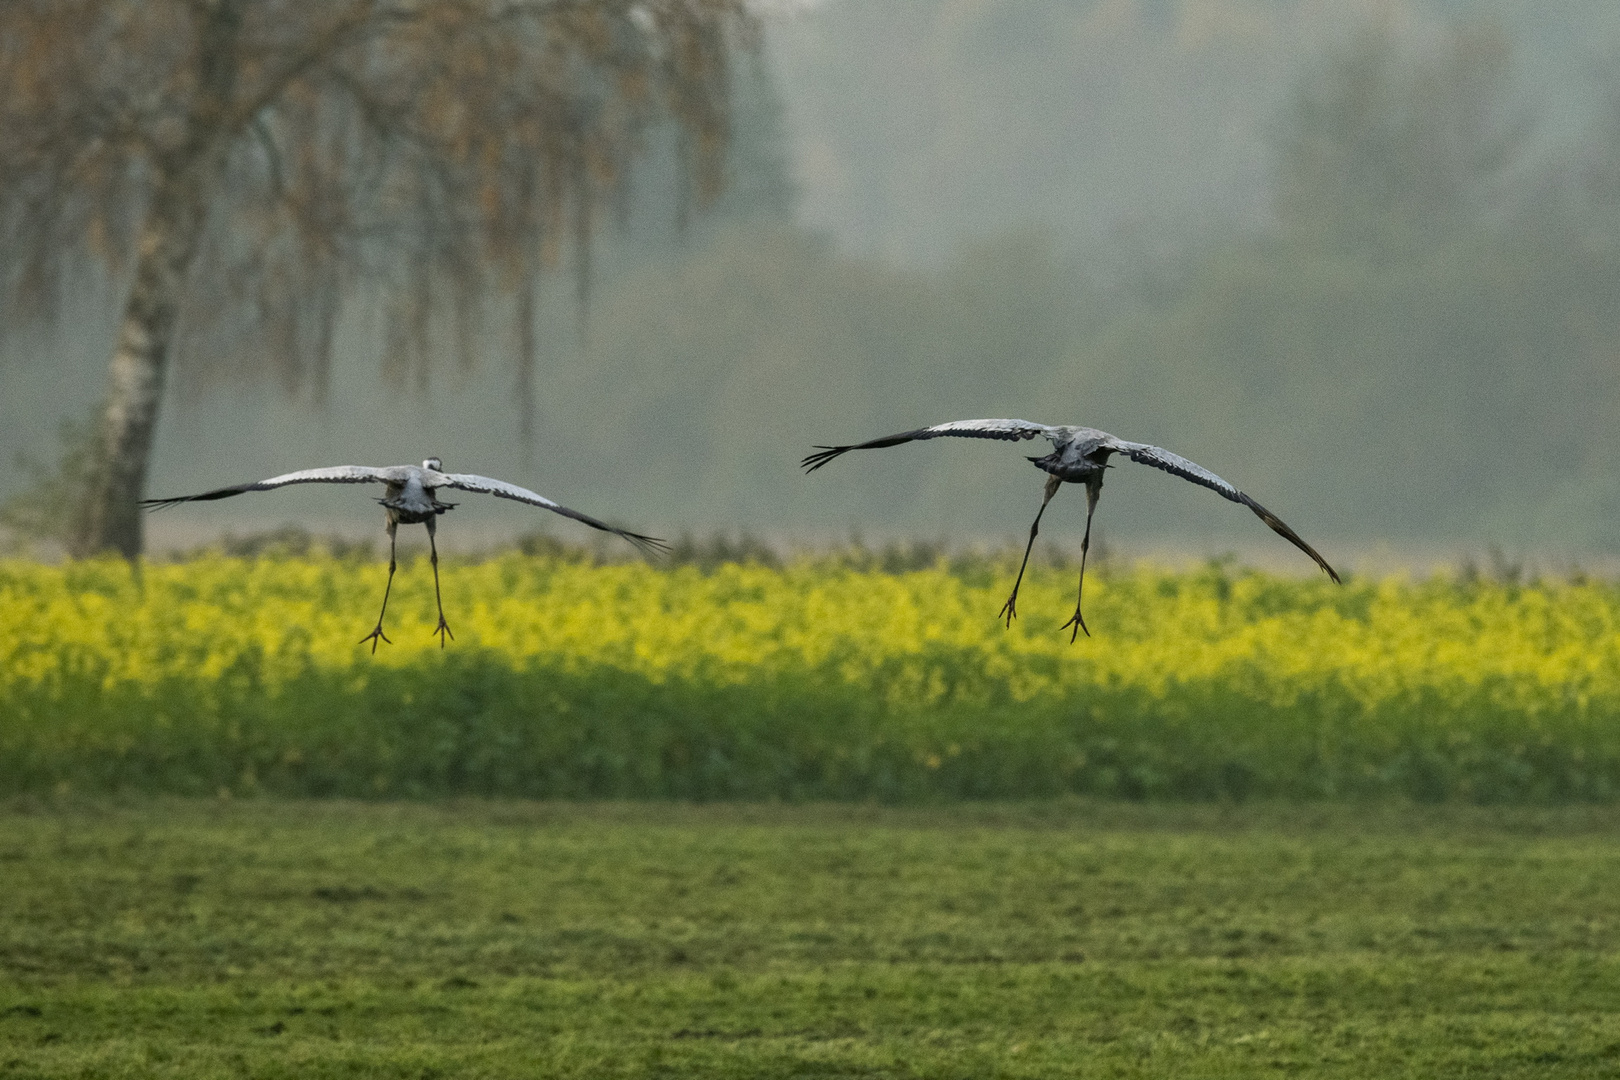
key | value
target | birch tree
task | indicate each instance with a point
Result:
(244, 169)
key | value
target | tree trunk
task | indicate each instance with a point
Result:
(184, 177)
(527, 352)
(112, 518)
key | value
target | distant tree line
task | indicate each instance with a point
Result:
(1422, 344)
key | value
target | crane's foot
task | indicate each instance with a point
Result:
(1009, 609)
(373, 638)
(442, 629)
(1078, 623)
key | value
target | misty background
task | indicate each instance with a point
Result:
(1360, 258)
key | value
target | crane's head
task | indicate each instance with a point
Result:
(434, 464)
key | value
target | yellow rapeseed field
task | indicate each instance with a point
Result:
(815, 680)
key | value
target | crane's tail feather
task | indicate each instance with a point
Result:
(1278, 526)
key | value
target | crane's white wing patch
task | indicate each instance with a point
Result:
(1160, 458)
(1007, 430)
(1011, 430)
(336, 474)
(501, 489)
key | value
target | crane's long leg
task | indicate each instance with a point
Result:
(1079, 622)
(1010, 608)
(378, 633)
(443, 628)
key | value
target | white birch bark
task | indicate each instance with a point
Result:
(184, 176)
(112, 518)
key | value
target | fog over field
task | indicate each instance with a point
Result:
(1360, 258)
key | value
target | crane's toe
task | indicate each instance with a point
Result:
(374, 636)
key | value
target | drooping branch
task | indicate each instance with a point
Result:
(286, 156)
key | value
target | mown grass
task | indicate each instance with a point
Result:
(265, 938)
(814, 680)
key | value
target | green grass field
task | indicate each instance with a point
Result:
(265, 938)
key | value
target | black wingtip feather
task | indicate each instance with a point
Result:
(1278, 526)
(207, 496)
(650, 546)
(164, 504)
(812, 462)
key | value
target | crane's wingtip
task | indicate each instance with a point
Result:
(824, 454)
(651, 546)
(1278, 526)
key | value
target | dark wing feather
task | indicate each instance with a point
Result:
(650, 545)
(1175, 464)
(1007, 430)
(337, 474)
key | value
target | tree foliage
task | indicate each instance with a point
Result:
(1383, 148)
(249, 167)
(1385, 363)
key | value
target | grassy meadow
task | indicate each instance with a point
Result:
(822, 679)
(493, 939)
(184, 896)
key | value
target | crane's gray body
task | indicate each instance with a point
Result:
(1079, 455)
(410, 500)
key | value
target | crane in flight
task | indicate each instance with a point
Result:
(411, 499)
(1079, 456)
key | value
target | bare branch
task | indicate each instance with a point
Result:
(272, 156)
(320, 48)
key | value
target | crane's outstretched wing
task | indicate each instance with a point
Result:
(1160, 458)
(1007, 430)
(651, 545)
(337, 474)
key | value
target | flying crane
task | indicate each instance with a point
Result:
(1079, 456)
(411, 499)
